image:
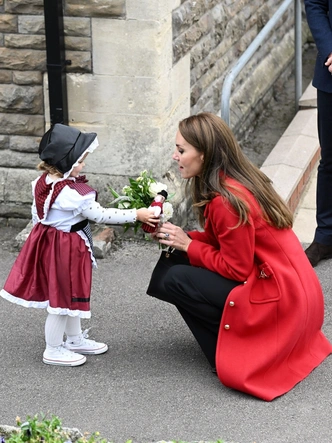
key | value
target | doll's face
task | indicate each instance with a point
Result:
(160, 198)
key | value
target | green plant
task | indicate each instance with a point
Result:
(49, 430)
(139, 194)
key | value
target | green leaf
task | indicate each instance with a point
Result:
(114, 193)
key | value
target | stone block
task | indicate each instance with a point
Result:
(27, 77)
(8, 23)
(304, 123)
(284, 178)
(5, 76)
(78, 43)
(103, 233)
(80, 61)
(22, 59)
(294, 150)
(149, 10)
(185, 42)
(111, 94)
(103, 237)
(15, 186)
(189, 13)
(180, 108)
(21, 124)
(22, 236)
(308, 98)
(15, 223)
(24, 7)
(21, 99)
(15, 210)
(128, 144)
(25, 41)
(131, 47)
(15, 159)
(4, 142)
(31, 24)
(96, 8)
(77, 26)
(24, 144)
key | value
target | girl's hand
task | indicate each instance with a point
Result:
(147, 216)
(172, 235)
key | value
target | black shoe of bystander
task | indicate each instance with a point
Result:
(317, 252)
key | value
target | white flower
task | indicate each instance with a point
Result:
(156, 187)
(167, 211)
(125, 189)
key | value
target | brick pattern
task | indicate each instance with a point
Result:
(23, 63)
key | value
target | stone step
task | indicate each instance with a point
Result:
(294, 157)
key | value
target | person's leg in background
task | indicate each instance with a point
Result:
(321, 247)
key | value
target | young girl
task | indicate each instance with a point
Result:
(54, 267)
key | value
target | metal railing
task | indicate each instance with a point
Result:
(252, 48)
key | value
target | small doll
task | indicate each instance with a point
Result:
(157, 204)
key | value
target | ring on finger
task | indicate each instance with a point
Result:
(166, 235)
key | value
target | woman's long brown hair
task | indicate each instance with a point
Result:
(223, 158)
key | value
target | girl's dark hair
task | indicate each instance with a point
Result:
(223, 158)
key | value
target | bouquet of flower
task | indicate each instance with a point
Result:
(139, 194)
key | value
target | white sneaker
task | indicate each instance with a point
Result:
(61, 356)
(85, 346)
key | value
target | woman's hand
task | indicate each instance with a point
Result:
(172, 235)
(146, 215)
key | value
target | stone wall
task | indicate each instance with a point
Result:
(216, 33)
(136, 69)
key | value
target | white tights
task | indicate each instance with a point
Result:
(57, 325)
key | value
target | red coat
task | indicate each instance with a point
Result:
(270, 334)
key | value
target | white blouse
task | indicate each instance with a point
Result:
(70, 208)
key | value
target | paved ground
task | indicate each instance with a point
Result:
(154, 382)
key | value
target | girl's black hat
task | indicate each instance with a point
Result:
(62, 146)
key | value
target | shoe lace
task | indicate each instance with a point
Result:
(85, 333)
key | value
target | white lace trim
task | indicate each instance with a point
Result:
(47, 202)
(21, 302)
(87, 244)
(90, 149)
(43, 305)
(71, 313)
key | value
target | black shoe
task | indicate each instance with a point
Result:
(317, 252)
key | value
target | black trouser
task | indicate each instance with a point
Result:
(324, 177)
(200, 296)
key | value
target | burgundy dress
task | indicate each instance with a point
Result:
(54, 268)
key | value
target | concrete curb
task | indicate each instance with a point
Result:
(292, 160)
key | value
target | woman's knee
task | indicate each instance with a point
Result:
(175, 278)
